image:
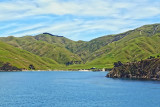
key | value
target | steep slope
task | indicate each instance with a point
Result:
(144, 31)
(44, 46)
(132, 45)
(53, 39)
(86, 49)
(101, 52)
(22, 59)
(57, 53)
(126, 51)
(81, 50)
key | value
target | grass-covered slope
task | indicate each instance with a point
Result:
(86, 50)
(67, 50)
(81, 48)
(44, 46)
(126, 51)
(101, 52)
(57, 53)
(144, 31)
(130, 46)
(22, 59)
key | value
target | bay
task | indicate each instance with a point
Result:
(75, 89)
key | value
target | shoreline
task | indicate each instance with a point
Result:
(54, 70)
(63, 70)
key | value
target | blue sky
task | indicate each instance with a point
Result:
(75, 19)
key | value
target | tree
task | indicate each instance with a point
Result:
(31, 67)
(117, 64)
(151, 57)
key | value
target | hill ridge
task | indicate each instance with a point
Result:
(100, 52)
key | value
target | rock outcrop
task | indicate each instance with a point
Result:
(9, 67)
(144, 69)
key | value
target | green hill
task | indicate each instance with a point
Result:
(101, 52)
(81, 48)
(44, 46)
(57, 53)
(92, 49)
(134, 45)
(85, 49)
(22, 59)
(61, 49)
(126, 50)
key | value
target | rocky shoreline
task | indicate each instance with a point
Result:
(144, 69)
(9, 67)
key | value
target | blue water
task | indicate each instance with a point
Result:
(75, 89)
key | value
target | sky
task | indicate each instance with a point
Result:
(75, 19)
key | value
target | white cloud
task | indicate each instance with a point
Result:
(74, 29)
(22, 28)
(105, 8)
(85, 15)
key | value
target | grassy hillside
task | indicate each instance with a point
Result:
(77, 50)
(53, 39)
(130, 46)
(81, 48)
(86, 49)
(101, 52)
(57, 53)
(128, 51)
(144, 31)
(22, 59)
(44, 46)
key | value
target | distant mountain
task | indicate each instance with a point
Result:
(23, 59)
(101, 52)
